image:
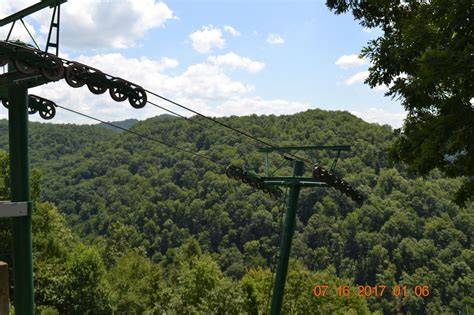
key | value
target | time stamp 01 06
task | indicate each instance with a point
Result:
(321, 290)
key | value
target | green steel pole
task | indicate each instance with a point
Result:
(285, 244)
(20, 191)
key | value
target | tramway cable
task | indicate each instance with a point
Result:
(184, 117)
(33, 67)
(140, 135)
(280, 224)
(30, 61)
(219, 122)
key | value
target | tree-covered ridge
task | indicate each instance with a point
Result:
(110, 277)
(123, 192)
(51, 141)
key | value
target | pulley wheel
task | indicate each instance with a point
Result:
(239, 173)
(55, 69)
(96, 88)
(72, 74)
(137, 98)
(32, 110)
(24, 67)
(118, 90)
(49, 112)
(5, 103)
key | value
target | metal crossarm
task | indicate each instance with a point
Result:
(288, 181)
(55, 18)
(30, 10)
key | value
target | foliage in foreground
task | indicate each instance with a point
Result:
(424, 57)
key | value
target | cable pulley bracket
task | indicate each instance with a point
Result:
(32, 62)
(336, 182)
(36, 104)
(252, 180)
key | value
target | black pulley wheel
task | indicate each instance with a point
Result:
(24, 66)
(97, 83)
(96, 88)
(49, 111)
(72, 74)
(5, 103)
(137, 98)
(239, 173)
(54, 70)
(118, 90)
(32, 110)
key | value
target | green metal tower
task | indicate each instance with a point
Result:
(20, 192)
(14, 88)
(321, 178)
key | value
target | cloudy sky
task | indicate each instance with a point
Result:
(217, 57)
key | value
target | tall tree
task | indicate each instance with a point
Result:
(425, 57)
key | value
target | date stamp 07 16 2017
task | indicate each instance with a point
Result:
(321, 290)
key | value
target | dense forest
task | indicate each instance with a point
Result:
(126, 225)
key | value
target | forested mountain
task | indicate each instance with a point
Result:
(195, 241)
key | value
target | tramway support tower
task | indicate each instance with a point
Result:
(14, 94)
(28, 67)
(321, 177)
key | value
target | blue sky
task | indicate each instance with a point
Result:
(218, 57)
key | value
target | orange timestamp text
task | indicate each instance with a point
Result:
(321, 290)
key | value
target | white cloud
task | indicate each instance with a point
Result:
(359, 77)
(381, 88)
(205, 39)
(207, 81)
(235, 61)
(232, 31)
(275, 39)
(350, 61)
(9, 7)
(381, 116)
(91, 24)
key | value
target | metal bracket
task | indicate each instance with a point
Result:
(55, 18)
(14, 209)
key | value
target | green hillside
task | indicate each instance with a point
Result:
(178, 216)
